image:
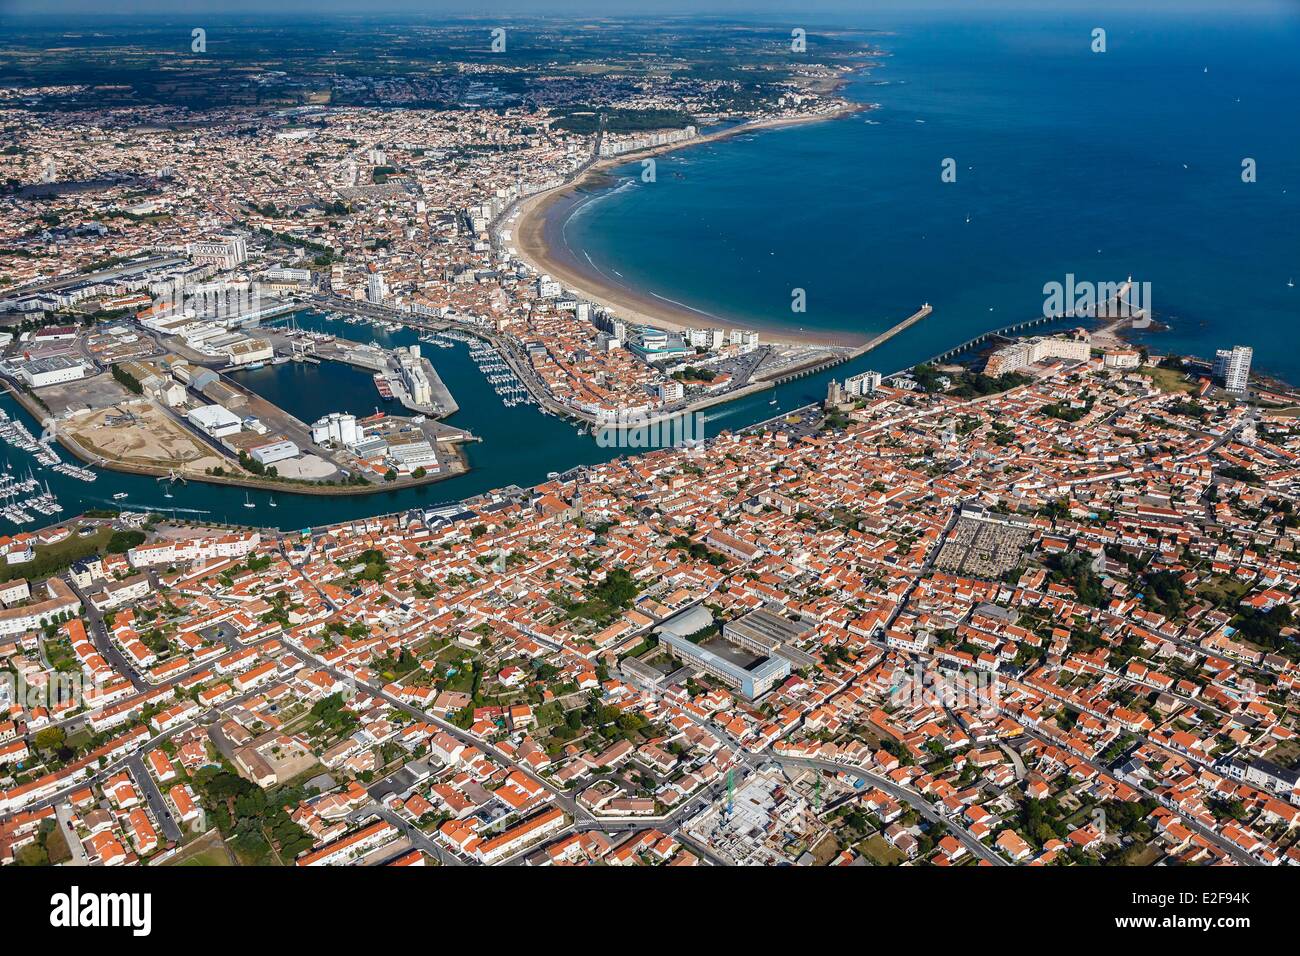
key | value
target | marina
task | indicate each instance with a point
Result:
(500, 376)
(520, 443)
(414, 457)
(23, 498)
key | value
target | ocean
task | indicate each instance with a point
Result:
(1067, 161)
(1097, 164)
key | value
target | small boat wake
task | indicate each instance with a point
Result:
(713, 418)
(163, 510)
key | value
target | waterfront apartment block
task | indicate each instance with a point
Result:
(1232, 367)
(1023, 353)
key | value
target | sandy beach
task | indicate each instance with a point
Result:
(535, 226)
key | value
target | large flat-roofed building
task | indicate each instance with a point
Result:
(417, 382)
(763, 632)
(250, 351)
(52, 370)
(767, 632)
(273, 451)
(652, 344)
(54, 333)
(752, 682)
(753, 678)
(215, 421)
(287, 277)
(371, 446)
(690, 621)
(1121, 358)
(865, 383)
(413, 454)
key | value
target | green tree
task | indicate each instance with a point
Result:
(50, 738)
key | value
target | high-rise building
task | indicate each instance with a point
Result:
(1232, 367)
(376, 288)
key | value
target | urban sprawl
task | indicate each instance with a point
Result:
(1041, 613)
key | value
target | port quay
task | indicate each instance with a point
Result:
(331, 347)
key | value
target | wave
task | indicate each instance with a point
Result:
(591, 262)
(683, 305)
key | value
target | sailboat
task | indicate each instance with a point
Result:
(248, 503)
(273, 504)
(1290, 283)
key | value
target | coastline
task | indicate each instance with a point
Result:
(459, 466)
(536, 222)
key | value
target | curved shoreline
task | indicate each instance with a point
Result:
(537, 223)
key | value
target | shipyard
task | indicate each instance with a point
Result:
(173, 394)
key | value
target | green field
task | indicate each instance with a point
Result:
(1168, 380)
(207, 850)
(54, 558)
(876, 849)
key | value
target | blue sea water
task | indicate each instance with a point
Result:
(1103, 165)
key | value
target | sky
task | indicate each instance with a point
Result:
(623, 7)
